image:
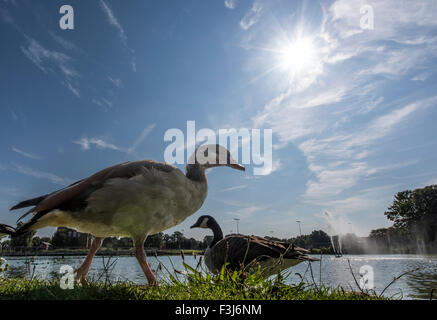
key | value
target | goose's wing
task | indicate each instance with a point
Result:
(75, 195)
(281, 246)
(6, 230)
(240, 249)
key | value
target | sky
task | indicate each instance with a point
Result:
(352, 106)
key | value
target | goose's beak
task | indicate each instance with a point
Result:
(236, 166)
(194, 226)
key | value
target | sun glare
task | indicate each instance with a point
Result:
(297, 56)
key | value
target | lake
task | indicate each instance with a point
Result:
(334, 271)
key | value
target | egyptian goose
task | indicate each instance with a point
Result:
(233, 250)
(132, 199)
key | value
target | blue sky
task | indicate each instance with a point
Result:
(353, 111)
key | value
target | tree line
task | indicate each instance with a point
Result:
(61, 239)
(414, 230)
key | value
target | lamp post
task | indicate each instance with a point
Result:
(300, 230)
(237, 219)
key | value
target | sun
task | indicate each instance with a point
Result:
(297, 55)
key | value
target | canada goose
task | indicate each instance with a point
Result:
(233, 249)
(133, 199)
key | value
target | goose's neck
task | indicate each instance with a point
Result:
(217, 231)
(196, 172)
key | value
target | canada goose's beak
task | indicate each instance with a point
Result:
(194, 226)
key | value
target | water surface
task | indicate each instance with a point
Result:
(334, 271)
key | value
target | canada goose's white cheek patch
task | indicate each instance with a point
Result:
(204, 223)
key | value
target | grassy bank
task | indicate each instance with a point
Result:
(38, 289)
(189, 283)
(183, 285)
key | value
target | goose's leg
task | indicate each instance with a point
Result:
(82, 271)
(142, 260)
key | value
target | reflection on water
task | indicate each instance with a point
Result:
(334, 271)
(422, 281)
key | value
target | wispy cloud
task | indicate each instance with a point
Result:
(147, 130)
(113, 21)
(103, 103)
(230, 4)
(86, 143)
(243, 186)
(269, 168)
(252, 16)
(41, 56)
(337, 161)
(26, 154)
(422, 76)
(42, 175)
(116, 81)
(74, 90)
(366, 199)
(50, 60)
(4, 12)
(67, 45)
(245, 212)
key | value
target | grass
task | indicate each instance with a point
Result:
(43, 290)
(189, 284)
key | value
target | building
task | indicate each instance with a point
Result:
(66, 237)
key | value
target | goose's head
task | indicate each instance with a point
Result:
(213, 155)
(205, 222)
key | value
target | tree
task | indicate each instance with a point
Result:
(36, 241)
(319, 239)
(416, 212)
(59, 238)
(24, 240)
(379, 237)
(154, 241)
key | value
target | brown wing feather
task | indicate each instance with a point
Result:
(5, 229)
(235, 249)
(123, 170)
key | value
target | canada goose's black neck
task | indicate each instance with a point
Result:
(196, 172)
(217, 231)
